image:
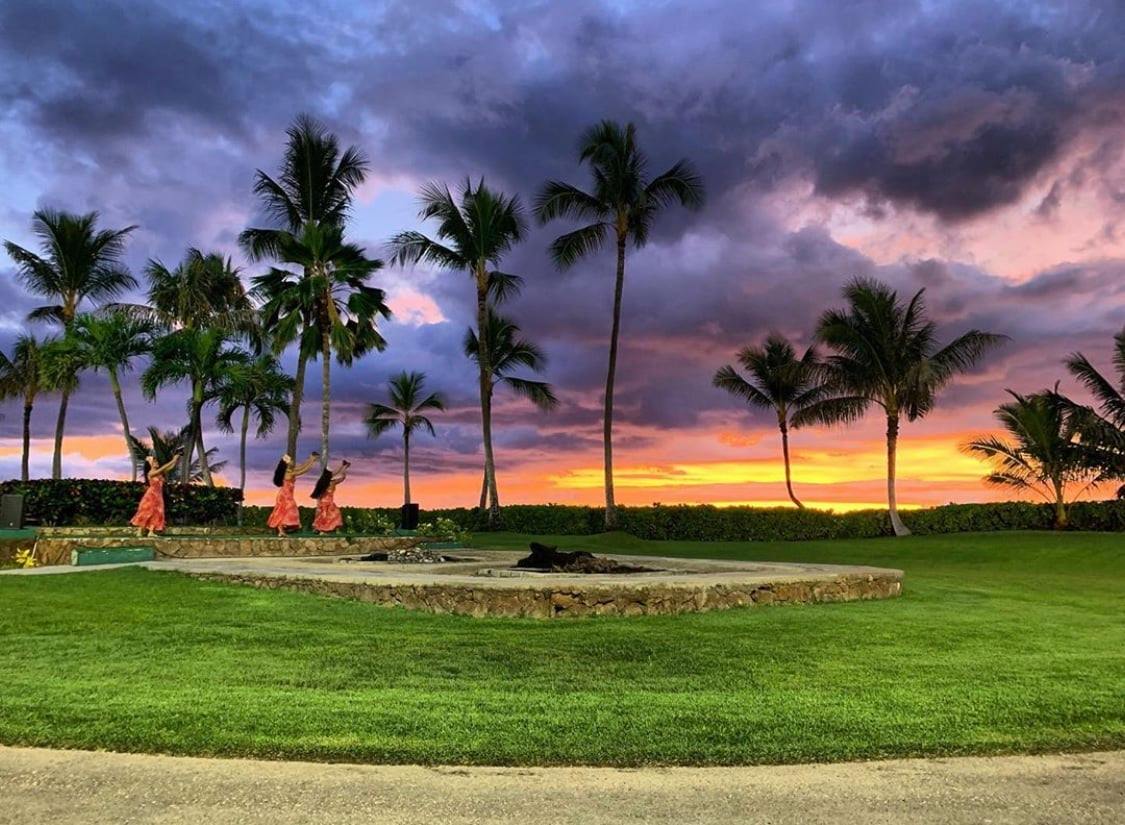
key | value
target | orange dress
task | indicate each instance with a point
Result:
(328, 516)
(285, 513)
(150, 512)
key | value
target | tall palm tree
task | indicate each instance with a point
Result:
(623, 204)
(163, 445)
(21, 377)
(407, 409)
(510, 351)
(78, 262)
(474, 232)
(1105, 436)
(327, 306)
(111, 341)
(1043, 453)
(202, 357)
(315, 185)
(779, 381)
(258, 389)
(885, 353)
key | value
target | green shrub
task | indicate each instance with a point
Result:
(96, 501)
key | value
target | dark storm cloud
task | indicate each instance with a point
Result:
(157, 113)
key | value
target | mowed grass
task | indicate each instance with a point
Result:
(1007, 642)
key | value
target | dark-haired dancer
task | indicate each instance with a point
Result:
(150, 512)
(328, 517)
(285, 513)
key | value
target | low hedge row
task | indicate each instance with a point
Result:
(96, 501)
(707, 523)
(100, 502)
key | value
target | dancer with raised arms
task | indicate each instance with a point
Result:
(150, 511)
(328, 516)
(285, 514)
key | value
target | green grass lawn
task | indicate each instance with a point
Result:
(1001, 643)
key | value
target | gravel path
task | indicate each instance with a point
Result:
(63, 787)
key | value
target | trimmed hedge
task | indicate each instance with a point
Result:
(96, 501)
(707, 523)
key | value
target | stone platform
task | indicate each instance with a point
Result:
(479, 585)
(54, 544)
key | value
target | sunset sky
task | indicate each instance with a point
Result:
(972, 148)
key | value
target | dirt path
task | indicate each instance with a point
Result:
(63, 787)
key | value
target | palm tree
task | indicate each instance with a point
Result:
(510, 351)
(203, 291)
(315, 185)
(1105, 436)
(407, 409)
(203, 357)
(475, 232)
(885, 353)
(1043, 454)
(163, 445)
(779, 381)
(110, 342)
(259, 389)
(78, 262)
(623, 203)
(21, 377)
(327, 306)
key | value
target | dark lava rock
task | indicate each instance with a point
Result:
(545, 557)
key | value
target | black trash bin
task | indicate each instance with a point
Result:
(11, 512)
(409, 517)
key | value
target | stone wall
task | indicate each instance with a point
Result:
(54, 548)
(562, 602)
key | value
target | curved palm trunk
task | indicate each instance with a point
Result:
(484, 358)
(242, 459)
(117, 396)
(325, 392)
(60, 426)
(405, 467)
(26, 457)
(484, 490)
(892, 451)
(785, 454)
(611, 375)
(189, 442)
(295, 406)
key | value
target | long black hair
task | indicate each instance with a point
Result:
(279, 473)
(322, 483)
(144, 468)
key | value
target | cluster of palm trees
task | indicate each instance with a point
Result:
(1057, 448)
(200, 327)
(880, 351)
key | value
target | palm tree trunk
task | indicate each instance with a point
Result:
(484, 490)
(405, 467)
(60, 426)
(325, 391)
(204, 467)
(189, 442)
(26, 457)
(116, 386)
(785, 455)
(484, 358)
(1061, 515)
(242, 459)
(295, 407)
(892, 502)
(610, 376)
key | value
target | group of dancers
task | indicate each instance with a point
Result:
(149, 518)
(285, 514)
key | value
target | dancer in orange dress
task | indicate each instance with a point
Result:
(285, 513)
(328, 517)
(150, 512)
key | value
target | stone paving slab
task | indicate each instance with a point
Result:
(78, 787)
